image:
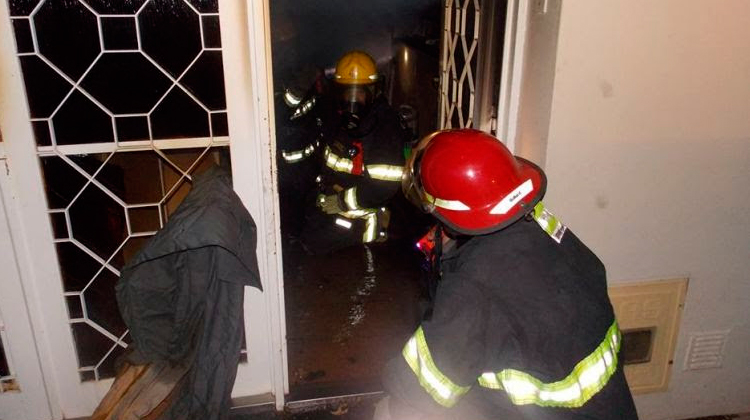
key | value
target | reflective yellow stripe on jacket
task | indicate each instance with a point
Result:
(587, 378)
(336, 162)
(356, 212)
(370, 216)
(444, 391)
(295, 156)
(376, 171)
(385, 172)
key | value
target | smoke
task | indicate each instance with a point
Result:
(317, 33)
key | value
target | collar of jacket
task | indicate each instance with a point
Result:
(519, 227)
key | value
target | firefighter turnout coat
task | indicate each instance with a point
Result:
(522, 328)
(362, 166)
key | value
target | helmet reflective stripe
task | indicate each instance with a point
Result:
(587, 378)
(350, 198)
(290, 99)
(513, 198)
(337, 163)
(446, 204)
(298, 155)
(417, 355)
(385, 172)
(549, 222)
(373, 77)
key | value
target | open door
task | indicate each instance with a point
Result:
(109, 109)
(349, 311)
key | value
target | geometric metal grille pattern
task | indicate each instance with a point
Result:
(137, 71)
(103, 208)
(458, 63)
(127, 104)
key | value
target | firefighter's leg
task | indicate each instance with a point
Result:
(325, 233)
(383, 221)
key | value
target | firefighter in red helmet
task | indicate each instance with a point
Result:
(522, 326)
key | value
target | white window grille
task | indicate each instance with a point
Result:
(177, 131)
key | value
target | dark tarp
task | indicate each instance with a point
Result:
(181, 296)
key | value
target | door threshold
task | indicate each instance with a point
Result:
(253, 404)
(332, 403)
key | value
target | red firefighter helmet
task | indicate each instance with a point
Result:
(471, 182)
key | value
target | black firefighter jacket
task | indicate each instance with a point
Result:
(181, 296)
(516, 301)
(366, 161)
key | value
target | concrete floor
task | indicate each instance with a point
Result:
(358, 412)
(347, 314)
(365, 412)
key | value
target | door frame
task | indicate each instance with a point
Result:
(21, 352)
(30, 208)
(252, 96)
(247, 58)
(514, 57)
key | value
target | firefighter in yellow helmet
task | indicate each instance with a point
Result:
(356, 81)
(362, 161)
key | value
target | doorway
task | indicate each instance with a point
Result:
(351, 310)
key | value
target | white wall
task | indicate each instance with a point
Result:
(535, 100)
(648, 160)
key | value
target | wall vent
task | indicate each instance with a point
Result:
(706, 350)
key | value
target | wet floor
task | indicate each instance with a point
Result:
(347, 314)
(365, 413)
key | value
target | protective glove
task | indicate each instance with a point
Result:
(330, 204)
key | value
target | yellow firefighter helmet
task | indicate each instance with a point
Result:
(356, 68)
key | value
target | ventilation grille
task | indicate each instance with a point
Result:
(706, 350)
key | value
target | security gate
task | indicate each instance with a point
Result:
(470, 63)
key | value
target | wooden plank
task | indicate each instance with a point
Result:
(123, 382)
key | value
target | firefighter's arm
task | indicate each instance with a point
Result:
(383, 165)
(298, 155)
(368, 194)
(381, 182)
(443, 359)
